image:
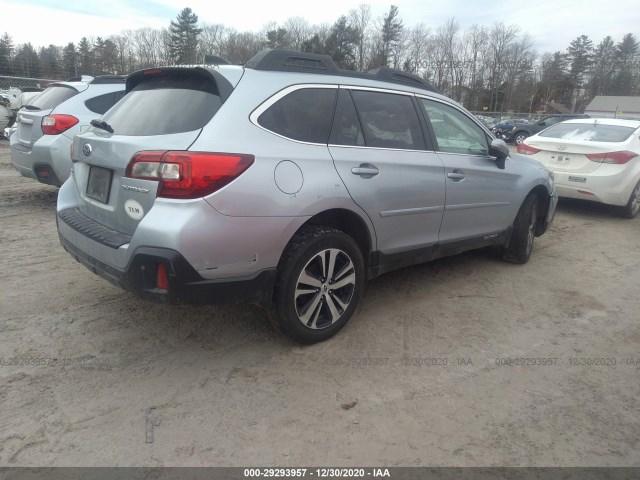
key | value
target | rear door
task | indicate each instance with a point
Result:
(165, 109)
(379, 151)
(29, 119)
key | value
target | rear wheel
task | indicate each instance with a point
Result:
(319, 284)
(524, 232)
(630, 210)
(519, 137)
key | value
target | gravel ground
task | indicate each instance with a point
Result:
(411, 381)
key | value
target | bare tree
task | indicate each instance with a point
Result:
(360, 18)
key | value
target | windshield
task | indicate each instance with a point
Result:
(51, 97)
(591, 132)
(164, 104)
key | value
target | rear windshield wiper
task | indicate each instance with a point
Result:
(102, 125)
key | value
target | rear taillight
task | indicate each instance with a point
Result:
(56, 124)
(526, 149)
(618, 158)
(188, 174)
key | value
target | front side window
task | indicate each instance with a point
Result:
(388, 120)
(455, 132)
(304, 115)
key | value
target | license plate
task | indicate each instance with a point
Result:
(99, 184)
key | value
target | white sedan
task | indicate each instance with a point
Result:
(594, 159)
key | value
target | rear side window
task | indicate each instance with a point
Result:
(101, 103)
(52, 97)
(304, 115)
(170, 102)
(388, 120)
(591, 132)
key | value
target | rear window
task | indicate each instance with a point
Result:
(52, 97)
(164, 104)
(590, 132)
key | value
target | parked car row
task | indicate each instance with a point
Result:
(286, 182)
(47, 124)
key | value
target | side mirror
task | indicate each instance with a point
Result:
(542, 124)
(500, 150)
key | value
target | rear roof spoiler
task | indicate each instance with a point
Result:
(224, 86)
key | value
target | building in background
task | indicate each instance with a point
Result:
(612, 106)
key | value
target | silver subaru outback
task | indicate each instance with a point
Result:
(288, 183)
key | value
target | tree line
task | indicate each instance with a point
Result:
(494, 68)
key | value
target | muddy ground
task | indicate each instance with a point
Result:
(412, 380)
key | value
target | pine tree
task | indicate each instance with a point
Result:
(342, 44)
(626, 55)
(70, 60)
(184, 33)
(6, 54)
(85, 57)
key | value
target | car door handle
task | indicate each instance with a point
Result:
(365, 170)
(456, 175)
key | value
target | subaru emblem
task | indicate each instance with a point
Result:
(86, 149)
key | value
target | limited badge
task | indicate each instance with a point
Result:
(134, 209)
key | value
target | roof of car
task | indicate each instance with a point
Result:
(607, 121)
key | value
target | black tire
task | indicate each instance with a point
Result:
(630, 210)
(519, 137)
(312, 312)
(524, 229)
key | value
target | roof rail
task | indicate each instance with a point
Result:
(399, 76)
(104, 79)
(278, 60)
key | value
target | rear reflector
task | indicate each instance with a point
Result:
(526, 149)
(617, 158)
(188, 174)
(56, 124)
(584, 192)
(162, 281)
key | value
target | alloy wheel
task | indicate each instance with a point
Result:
(324, 288)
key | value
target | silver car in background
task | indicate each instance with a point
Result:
(289, 183)
(46, 125)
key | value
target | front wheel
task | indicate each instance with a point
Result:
(319, 284)
(524, 231)
(519, 137)
(630, 210)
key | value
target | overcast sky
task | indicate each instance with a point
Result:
(551, 23)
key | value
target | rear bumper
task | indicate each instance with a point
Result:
(48, 160)
(608, 184)
(184, 283)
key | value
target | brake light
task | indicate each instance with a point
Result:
(526, 149)
(188, 174)
(56, 124)
(617, 158)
